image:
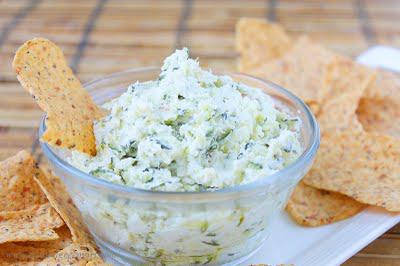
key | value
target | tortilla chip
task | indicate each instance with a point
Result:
(60, 200)
(37, 230)
(56, 252)
(355, 124)
(310, 206)
(18, 189)
(20, 253)
(364, 166)
(259, 41)
(297, 73)
(346, 81)
(64, 240)
(33, 252)
(386, 86)
(75, 254)
(14, 254)
(379, 109)
(42, 70)
(34, 224)
(382, 116)
(314, 107)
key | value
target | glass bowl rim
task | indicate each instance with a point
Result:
(307, 155)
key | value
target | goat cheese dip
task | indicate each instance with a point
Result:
(190, 130)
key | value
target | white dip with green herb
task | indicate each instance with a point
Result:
(189, 130)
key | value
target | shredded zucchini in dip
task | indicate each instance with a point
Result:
(191, 130)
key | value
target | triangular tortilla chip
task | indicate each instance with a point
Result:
(43, 71)
(75, 254)
(49, 239)
(310, 206)
(64, 240)
(346, 81)
(386, 86)
(382, 116)
(364, 166)
(34, 224)
(55, 252)
(18, 189)
(259, 41)
(379, 109)
(61, 201)
(13, 254)
(296, 71)
(33, 252)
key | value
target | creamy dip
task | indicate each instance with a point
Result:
(191, 130)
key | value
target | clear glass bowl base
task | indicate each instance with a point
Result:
(120, 258)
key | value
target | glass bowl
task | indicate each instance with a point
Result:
(135, 226)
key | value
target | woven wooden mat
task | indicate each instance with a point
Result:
(101, 37)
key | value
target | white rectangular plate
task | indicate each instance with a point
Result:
(335, 243)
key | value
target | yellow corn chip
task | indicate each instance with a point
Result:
(296, 71)
(381, 116)
(60, 200)
(34, 224)
(64, 240)
(386, 86)
(314, 207)
(38, 233)
(346, 81)
(259, 41)
(15, 255)
(18, 189)
(364, 166)
(75, 254)
(42, 70)
(33, 252)
(56, 252)
(379, 109)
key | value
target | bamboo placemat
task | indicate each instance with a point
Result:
(101, 37)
